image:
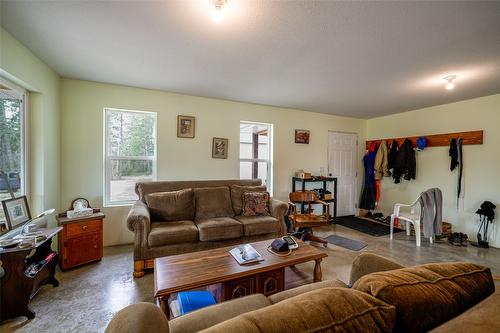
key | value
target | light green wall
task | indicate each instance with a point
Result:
(82, 105)
(481, 176)
(18, 64)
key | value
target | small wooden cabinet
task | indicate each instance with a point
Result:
(80, 241)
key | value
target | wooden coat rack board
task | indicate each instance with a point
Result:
(437, 140)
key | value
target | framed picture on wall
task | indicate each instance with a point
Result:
(302, 136)
(17, 211)
(185, 126)
(219, 147)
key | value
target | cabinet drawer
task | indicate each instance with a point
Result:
(78, 228)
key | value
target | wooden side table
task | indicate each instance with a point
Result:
(80, 241)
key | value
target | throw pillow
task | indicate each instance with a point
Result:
(428, 295)
(213, 202)
(171, 206)
(237, 195)
(255, 203)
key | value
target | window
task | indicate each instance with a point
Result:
(256, 152)
(13, 140)
(130, 153)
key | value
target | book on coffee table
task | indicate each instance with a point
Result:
(245, 254)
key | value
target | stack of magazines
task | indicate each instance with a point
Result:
(245, 254)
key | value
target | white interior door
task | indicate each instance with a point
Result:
(342, 163)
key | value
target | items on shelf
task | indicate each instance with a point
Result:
(35, 267)
(302, 174)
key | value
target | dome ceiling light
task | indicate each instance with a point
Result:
(218, 10)
(449, 82)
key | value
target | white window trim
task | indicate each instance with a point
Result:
(25, 130)
(270, 174)
(107, 159)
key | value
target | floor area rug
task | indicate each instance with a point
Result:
(346, 243)
(365, 226)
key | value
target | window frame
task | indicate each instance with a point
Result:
(25, 137)
(107, 202)
(261, 160)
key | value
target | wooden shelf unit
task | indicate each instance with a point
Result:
(323, 180)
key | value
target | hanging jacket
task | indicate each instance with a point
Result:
(405, 165)
(381, 162)
(367, 200)
(391, 157)
(453, 153)
(431, 214)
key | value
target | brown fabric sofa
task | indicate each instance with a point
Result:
(371, 305)
(173, 217)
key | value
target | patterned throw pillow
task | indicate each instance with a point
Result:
(255, 203)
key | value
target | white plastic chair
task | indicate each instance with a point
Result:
(408, 217)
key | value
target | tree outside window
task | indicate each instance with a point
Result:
(130, 153)
(12, 180)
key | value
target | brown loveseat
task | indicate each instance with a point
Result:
(173, 217)
(385, 297)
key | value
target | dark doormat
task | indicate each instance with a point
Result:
(365, 226)
(347, 243)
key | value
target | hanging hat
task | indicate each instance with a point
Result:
(487, 209)
(421, 142)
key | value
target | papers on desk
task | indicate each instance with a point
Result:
(245, 254)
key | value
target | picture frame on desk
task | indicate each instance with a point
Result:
(17, 211)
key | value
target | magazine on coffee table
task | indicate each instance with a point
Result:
(246, 254)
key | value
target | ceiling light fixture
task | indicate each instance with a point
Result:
(449, 82)
(218, 10)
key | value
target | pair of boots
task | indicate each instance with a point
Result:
(458, 239)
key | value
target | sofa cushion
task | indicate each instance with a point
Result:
(286, 294)
(174, 232)
(428, 295)
(255, 204)
(219, 228)
(258, 225)
(237, 195)
(203, 318)
(213, 202)
(474, 320)
(323, 310)
(171, 206)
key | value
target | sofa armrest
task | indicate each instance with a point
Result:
(138, 318)
(367, 263)
(278, 211)
(138, 218)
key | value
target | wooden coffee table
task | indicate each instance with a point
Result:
(188, 271)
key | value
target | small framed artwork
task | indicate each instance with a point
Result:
(219, 147)
(302, 136)
(16, 211)
(185, 126)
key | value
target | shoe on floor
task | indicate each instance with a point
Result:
(455, 239)
(464, 239)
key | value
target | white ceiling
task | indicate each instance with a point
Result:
(360, 59)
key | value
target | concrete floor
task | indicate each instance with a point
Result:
(88, 296)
